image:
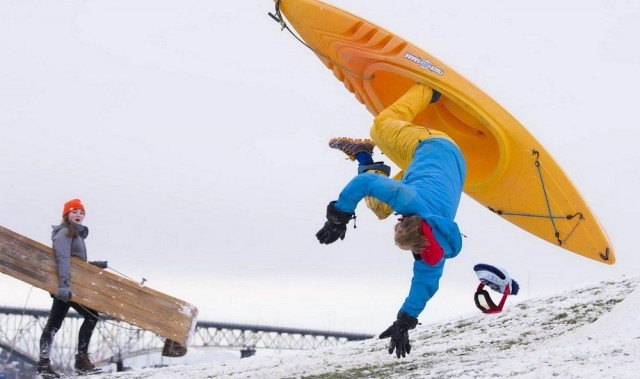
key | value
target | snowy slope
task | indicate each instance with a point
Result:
(591, 332)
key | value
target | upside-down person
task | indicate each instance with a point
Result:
(426, 194)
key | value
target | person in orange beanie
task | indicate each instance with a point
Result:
(68, 241)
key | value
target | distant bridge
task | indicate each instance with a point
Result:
(114, 341)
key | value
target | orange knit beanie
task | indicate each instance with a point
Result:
(72, 205)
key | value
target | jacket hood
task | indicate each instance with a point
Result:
(82, 230)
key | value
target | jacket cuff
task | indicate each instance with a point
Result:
(406, 320)
(377, 166)
(336, 216)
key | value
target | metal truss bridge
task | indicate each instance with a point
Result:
(114, 341)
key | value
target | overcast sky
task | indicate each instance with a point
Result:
(195, 133)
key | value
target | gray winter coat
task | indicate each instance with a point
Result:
(66, 247)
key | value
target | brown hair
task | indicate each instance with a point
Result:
(71, 230)
(409, 234)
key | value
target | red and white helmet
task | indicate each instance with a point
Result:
(498, 280)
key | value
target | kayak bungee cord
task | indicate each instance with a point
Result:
(280, 20)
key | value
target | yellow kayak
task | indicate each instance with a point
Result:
(508, 171)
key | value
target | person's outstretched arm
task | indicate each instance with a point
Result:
(396, 194)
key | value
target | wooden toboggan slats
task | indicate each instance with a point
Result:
(106, 292)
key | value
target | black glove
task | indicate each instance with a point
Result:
(100, 264)
(399, 333)
(336, 225)
(330, 232)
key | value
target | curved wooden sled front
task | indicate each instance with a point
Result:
(509, 172)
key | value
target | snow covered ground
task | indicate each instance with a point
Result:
(592, 332)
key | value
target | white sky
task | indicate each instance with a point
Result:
(196, 135)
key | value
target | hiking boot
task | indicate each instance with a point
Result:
(83, 364)
(351, 146)
(46, 371)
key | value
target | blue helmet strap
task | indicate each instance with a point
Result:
(485, 304)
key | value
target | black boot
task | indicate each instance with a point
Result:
(45, 370)
(83, 364)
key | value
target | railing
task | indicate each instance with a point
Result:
(114, 341)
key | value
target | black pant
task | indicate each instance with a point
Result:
(57, 314)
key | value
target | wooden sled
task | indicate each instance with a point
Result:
(107, 293)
